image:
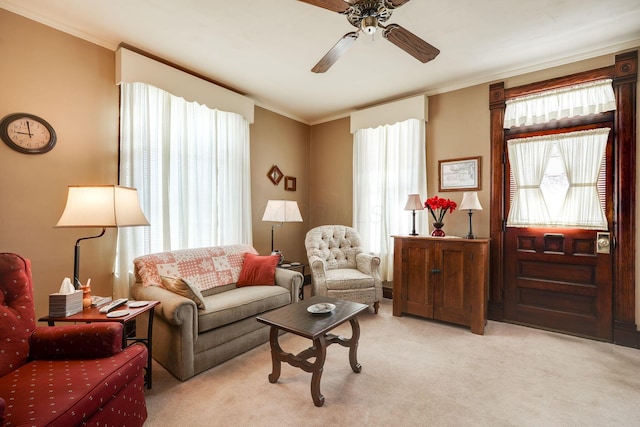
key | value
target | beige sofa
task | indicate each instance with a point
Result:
(187, 339)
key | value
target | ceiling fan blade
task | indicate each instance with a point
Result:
(335, 53)
(339, 6)
(410, 43)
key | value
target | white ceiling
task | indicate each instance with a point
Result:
(266, 48)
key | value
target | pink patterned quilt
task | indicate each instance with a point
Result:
(205, 268)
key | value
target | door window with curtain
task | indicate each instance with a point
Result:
(389, 164)
(556, 180)
(191, 167)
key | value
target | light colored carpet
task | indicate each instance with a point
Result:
(416, 372)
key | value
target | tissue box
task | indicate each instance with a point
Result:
(63, 305)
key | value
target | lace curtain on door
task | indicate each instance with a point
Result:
(581, 154)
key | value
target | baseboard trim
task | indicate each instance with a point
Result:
(625, 334)
(495, 311)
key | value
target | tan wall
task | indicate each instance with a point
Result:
(331, 166)
(459, 127)
(70, 83)
(277, 140)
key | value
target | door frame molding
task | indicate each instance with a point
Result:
(624, 74)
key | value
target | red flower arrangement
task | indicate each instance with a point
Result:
(442, 206)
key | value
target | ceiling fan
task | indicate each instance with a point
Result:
(367, 16)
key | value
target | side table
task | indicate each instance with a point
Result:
(293, 265)
(92, 314)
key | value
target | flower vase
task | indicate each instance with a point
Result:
(438, 231)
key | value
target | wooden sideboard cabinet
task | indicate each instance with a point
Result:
(442, 278)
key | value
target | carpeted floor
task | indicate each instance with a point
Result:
(416, 372)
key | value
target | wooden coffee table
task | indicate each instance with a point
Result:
(296, 319)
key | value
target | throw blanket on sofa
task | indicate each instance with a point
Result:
(207, 268)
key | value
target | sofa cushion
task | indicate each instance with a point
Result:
(240, 303)
(204, 267)
(181, 286)
(258, 270)
(72, 390)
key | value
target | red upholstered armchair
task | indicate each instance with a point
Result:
(63, 375)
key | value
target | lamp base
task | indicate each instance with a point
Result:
(470, 236)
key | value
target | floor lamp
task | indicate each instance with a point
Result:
(414, 203)
(470, 201)
(281, 211)
(99, 206)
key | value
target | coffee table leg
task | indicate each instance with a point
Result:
(320, 346)
(353, 346)
(276, 351)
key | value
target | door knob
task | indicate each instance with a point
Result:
(603, 243)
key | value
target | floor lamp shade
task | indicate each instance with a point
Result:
(106, 206)
(281, 211)
(102, 206)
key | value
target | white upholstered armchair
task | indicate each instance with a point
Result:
(339, 266)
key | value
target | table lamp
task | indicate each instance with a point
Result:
(414, 203)
(106, 206)
(470, 201)
(281, 211)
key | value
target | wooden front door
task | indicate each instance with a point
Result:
(555, 279)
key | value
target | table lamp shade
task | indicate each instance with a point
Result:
(413, 203)
(282, 211)
(102, 206)
(470, 201)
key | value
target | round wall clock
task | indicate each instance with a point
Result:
(27, 133)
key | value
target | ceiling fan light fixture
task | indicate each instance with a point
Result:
(369, 25)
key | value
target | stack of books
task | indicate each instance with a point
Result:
(64, 305)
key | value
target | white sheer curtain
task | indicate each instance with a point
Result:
(582, 154)
(571, 101)
(389, 164)
(528, 158)
(191, 167)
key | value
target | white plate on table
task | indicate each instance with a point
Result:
(137, 304)
(321, 308)
(118, 313)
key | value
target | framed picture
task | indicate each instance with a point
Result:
(289, 183)
(275, 175)
(460, 174)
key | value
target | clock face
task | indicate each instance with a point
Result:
(27, 133)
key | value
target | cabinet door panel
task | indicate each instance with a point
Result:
(451, 291)
(416, 281)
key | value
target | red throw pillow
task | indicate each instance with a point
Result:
(258, 270)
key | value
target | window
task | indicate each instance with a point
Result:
(191, 167)
(557, 180)
(389, 164)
